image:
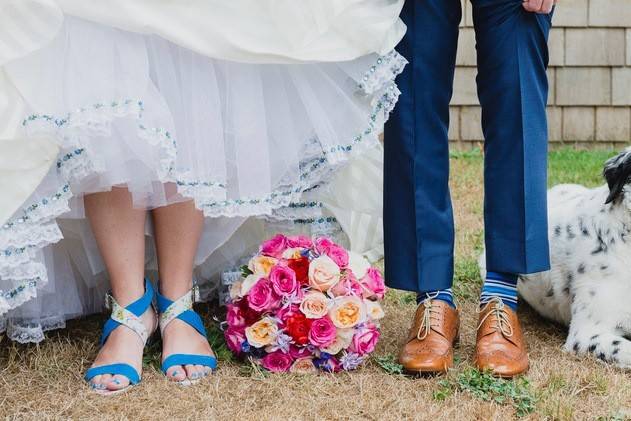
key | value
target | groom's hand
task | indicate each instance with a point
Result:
(538, 6)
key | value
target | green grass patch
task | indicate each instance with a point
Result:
(484, 386)
(577, 167)
(467, 279)
(564, 166)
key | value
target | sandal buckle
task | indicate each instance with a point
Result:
(195, 294)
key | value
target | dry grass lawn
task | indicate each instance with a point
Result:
(45, 381)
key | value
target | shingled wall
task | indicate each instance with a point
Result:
(590, 77)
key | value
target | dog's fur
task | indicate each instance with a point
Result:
(589, 286)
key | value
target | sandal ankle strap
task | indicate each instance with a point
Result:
(181, 309)
(129, 316)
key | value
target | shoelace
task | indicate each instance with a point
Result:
(498, 311)
(426, 322)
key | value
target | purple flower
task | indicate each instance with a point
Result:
(351, 360)
(282, 343)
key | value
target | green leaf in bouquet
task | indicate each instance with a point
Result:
(245, 271)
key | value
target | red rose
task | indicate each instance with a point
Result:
(247, 312)
(298, 326)
(300, 267)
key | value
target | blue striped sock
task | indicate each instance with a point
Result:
(445, 295)
(500, 285)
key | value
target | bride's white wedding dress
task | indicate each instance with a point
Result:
(266, 114)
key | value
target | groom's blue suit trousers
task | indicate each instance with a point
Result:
(512, 57)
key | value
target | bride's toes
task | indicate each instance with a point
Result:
(103, 382)
(191, 372)
(201, 370)
(176, 373)
(118, 382)
(96, 384)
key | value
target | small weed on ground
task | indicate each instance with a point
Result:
(389, 364)
(484, 386)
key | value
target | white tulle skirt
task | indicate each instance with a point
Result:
(260, 148)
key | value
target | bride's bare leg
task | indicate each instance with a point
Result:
(178, 228)
(119, 232)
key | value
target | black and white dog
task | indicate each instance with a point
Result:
(589, 286)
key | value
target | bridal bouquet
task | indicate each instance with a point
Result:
(304, 305)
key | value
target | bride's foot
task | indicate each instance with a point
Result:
(122, 346)
(180, 338)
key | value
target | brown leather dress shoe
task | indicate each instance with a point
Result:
(430, 344)
(500, 347)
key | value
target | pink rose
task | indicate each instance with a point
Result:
(262, 297)
(299, 352)
(347, 286)
(275, 246)
(235, 336)
(365, 340)
(283, 281)
(336, 253)
(299, 241)
(277, 362)
(322, 332)
(373, 284)
(234, 317)
(286, 312)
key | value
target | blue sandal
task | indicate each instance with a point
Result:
(129, 317)
(182, 309)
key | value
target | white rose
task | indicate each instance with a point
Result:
(374, 310)
(358, 264)
(323, 273)
(248, 283)
(292, 253)
(315, 305)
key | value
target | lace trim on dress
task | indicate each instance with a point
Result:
(385, 69)
(30, 332)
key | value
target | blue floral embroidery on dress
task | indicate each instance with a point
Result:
(198, 183)
(63, 192)
(14, 292)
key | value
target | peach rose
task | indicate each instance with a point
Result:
(347, 312)
(262, 265)
(342, 341)
(323, 273)
(374, 310)
(315, 305)
(303, 366)
(292, 253)
(235, 290)
(262, 333)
